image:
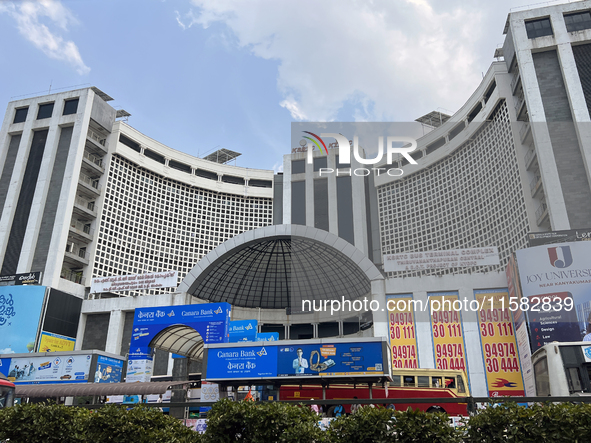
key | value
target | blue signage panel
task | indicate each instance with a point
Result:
(330, 359)
(242, 362)
(20, 309)
(243, 330)
(267, 336)
(210, 320)
(108, 370)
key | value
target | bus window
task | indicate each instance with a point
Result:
(574, 380)
(542, 378)
(423, 381)
(436, 382)
(450, 382)
(409, 381)
(461, 388)
(395, 381)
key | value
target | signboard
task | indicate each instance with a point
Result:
(108, 370)
(243, 330)
(449, 348)
(556, 284)
(267, 336)
(55, 343)
(134, 282)
(20, 309)
(210, 320)
(296, 359)
(521, 333)
(139, 368)
(499, 348)
(546, 238)
(46, 369)
(453, 258)
(403, 337)
(29, 278)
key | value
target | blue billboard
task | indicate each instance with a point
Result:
(267, 336)
(296, 359)
(210, 320)
(108, 370)
(20, 310)
(243, 330)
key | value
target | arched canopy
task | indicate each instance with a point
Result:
(276, 267)
(179, 339)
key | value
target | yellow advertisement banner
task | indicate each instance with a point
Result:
(446, 329)
(403, 334)
(499, 348)
(54, 342)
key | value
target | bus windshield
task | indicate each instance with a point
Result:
(6, 396)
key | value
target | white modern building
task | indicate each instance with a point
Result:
(83, 195)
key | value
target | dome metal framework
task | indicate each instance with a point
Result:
(278, 267)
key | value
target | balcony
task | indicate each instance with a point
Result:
(519, 102)
(75, 255)
(515, 80)
(93, 162)
(97, 140)
(529, 158)
(90, 186)
(524, 131)
(81, 231)
(73, 276)
(84, 208)
(535, 185)
(542, 214)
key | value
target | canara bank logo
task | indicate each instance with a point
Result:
(560, 257)
(502, 383)
(587, 352)
(218, 310)
(344, 147)
(171, 314)
(262, 352)
(248, 327)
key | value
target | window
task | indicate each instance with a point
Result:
(71, 107)
(574, 380)
(409, 381)
(395, 380)
(298, 167)
(319, 162)
(461, 387)
(450, 382)
(542, 378)
(423, 381)
(538, 28)
(577, 21)
(436, 382)
(20, 115)
(45, 111)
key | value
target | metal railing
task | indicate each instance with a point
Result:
(74, 276)
(515, 79)
(534, 183)
(94, 159)
(79, 226)
(529, 156)
(97, 138)
(518, 104)
(92, 182)
(524, 130)
(74, 249)
(540, 213)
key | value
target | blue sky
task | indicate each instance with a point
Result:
(198, 75)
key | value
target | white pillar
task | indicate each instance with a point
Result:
(80, 332)
(115, 333)
(380, 317)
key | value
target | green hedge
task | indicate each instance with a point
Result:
(253, 422)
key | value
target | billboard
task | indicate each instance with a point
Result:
(296, 359)
(134, 282)
(55, 343)
(243, 330)
(267, 336)
(108, 370)
(449, 348)
(20, 310)
(546, 238)
(139, 367)
(556, 285)
(499, 348)
(453, 258)
(47, 369)
(402, 336)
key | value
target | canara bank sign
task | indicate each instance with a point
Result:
(323, 142)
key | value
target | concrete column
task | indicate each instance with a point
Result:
(180, 372)
(115, 333)
(341, 329)
(333, 223)
(170, 364)
(80, 332)
(309, 185)
(286, 190)
(424, 337)
(474, 351)
(380, 317)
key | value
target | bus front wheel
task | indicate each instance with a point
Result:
(435, 409)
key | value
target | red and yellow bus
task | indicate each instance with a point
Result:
(406, 383)
(6, 392)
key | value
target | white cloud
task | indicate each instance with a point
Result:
(6, 350)
(387, 60)
(278, 167)
(29, 15)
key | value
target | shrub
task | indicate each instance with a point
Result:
(367, 425)
(252, 422)
(418, 426)
(43, 423)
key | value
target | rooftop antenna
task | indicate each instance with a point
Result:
(50, 83)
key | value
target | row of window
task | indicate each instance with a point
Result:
(45, 110)
(574, 22)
